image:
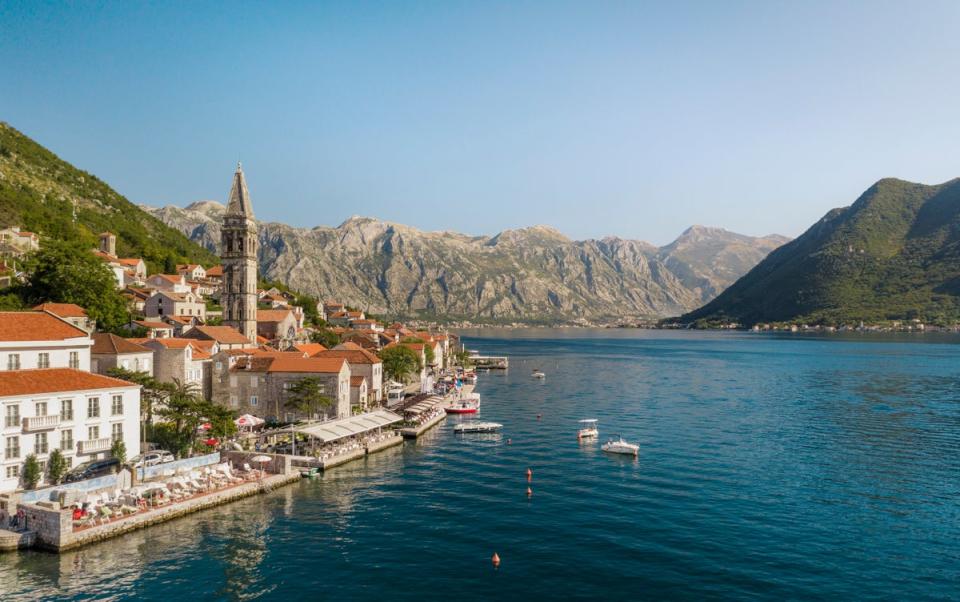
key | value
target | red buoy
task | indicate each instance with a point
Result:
(529, 475)
(495, 560)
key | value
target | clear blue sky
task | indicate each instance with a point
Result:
(633, 119)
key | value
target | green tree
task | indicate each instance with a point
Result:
(152, 392)
(308, 396)
(65, 272)
(183, 411)
(221, 419)
(400, 362)
(56, 466)
(31, 472)
(325, 337)
(119, 451)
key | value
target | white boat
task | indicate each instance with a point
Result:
(477, 427)
(619, 446)
(588, 428)
(468, 404)
(538, 374)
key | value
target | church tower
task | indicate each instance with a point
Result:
(238, 253)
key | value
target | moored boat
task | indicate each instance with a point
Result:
(620, 446)
(469, 404)
(588, 428)
(477, 427)
(538, 374)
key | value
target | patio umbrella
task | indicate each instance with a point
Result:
(212, 441)
(261, 460)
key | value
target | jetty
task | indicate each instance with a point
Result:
(490, 362)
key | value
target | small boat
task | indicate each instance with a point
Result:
(538, 374)
(477, 427)
(588, 428)
(470, 378)
(620, 446)
(467, 405)
(309, 473)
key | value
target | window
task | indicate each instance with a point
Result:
(75, 359)
(40, 443)
(43, 360)
(66, 409)
(116, 432)
(41, 408)
(13, 416)
(93, 408)
(13, 361)
(93, 432)
(116, 405)
(12, 448)
(13, 472)
(253, 400)
(254, 381)
(66, 440)
(233, 380)
(233, 400)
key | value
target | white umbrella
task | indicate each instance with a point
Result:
(261, 460)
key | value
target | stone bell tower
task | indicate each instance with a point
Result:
(238, 254)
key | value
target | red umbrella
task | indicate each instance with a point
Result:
(206, 426)
(212, 441)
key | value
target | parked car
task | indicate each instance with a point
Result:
(152, 458)
(92, 470)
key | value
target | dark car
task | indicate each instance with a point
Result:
(92, 470)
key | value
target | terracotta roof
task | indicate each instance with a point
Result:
(223, 334)
(415, 346)
(174, 343)
(262, 340)
(36, 326)
(354, 314)
(104, 342)
(275, 353)
(273, 315)
(64, 310)
(310, 348)
(252, 364)
(204, 345)
(364, 321)
(131, 261)
(338, 314)
(55, 380)
(174, 278)
(356, 381)
(348, 346)
(353, 356)
(139, 340)
(216, 270)
(153, 325)
(187, 266)
(306, 365)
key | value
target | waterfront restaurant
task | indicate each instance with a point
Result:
(329, 440)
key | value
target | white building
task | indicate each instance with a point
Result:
(80, 413)
(31, 340)
(165, 303)
(174, 283)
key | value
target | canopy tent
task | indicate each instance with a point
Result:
(248, 420)
(423, 405)
(347, 427)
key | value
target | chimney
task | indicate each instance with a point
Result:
(108, 244)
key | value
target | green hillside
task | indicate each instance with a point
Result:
(892, 255)
(40, 192)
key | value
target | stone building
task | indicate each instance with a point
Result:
(238, 253)
(110, 351)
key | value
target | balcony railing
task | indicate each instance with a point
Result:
(41, 423)
(92, 446)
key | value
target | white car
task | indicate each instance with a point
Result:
(152, 458)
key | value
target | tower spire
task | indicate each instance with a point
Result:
(239, 200)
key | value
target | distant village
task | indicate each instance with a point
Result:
(210, 330)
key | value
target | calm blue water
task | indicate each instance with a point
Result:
(770, 468)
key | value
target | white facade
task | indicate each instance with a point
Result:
(83, 424)
(27, 355)
(186, 305)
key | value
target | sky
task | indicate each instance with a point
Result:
(633, 119)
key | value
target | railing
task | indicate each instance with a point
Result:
(92, 446)
(41, 423)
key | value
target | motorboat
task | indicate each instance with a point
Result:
(477, 427)
(470, 378)
(538, 375)
(588, 428)
(620, 446)
(469, 404)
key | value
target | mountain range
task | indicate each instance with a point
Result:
(894, 254)
(533, 274)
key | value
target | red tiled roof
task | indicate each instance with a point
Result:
(174, 278)
(130, 261)
(273, 315)
(36, 326)
(64, 310)
(55, 380)
(306, 365)
(310, 349)
(153, 325)
(216, 270)
(348, 346)
(353, 356)
(110, 343)
(227, 335)
(356, 381)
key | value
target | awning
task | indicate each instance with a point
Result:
(347, 427)
(422, 406)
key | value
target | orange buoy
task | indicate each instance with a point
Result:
(529, 475)
(495, 560)
(529, 492)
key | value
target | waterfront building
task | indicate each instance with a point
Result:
(80, 413)
(260, 384)
(239, 258)
(110, 351)
(362, 363)
(31, 339)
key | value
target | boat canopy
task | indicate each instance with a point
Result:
(347, 427)
(589, 421)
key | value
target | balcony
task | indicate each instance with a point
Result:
(40, 423)
(92, 446)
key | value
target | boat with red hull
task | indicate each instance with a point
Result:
(467, 405)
